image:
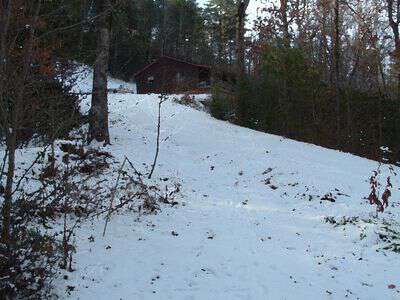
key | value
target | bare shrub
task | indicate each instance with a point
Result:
(53, 193)
(374, 197)
(134, 193)
(188, 100)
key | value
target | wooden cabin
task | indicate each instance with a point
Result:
(171, 75)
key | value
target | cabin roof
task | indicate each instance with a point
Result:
(173, 59)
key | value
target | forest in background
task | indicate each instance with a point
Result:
(142, 31)
(324, 72)
(319, 71)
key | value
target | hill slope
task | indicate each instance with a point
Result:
(252, 225)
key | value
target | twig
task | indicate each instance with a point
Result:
(3, 166)
(162, 100)
(113, 196)
(133, 167)
(72, 26)
(39, 155)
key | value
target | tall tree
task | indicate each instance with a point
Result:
(98, 123)
(5, 15)
(240, 47)
(181, 31)
(336, 62)
(12, 102)
(219, 18)
(283, 11)
(393, 11)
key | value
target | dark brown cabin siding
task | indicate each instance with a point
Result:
(170, 76)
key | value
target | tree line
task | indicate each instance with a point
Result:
(322, 71)
(143, 30)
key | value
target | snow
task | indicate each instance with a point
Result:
(246, 226)
(84, 77)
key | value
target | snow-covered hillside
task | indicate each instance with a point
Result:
(251, 220)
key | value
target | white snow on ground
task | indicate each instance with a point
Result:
(240, 235)
(84, 77)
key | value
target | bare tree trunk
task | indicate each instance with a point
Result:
(83, 25)
(11, 121)
(98, 125)
(163, 98)
(181, 47)
(240, 49)
(4, 24)
(219, 43)
(324, 44)
(336, 65)
(164, 28)
(285, 23)
(240, 57)
(5, 15)
(394, 25)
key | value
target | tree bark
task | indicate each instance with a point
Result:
(164, 28)
(336, 65)
(394, 25)
(240, 49)
(285, 23)
(11, 121)
(4, 24)
(5, 15)
(82, 27)
(98, 124)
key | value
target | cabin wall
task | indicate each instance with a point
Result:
(168, 76)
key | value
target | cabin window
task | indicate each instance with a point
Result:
(150, 79)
